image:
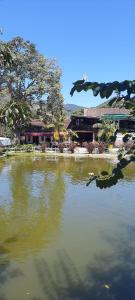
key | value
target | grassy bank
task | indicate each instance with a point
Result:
(55, 154)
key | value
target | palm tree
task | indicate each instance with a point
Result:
(106, 130)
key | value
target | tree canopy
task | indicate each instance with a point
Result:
(26, 75)
(31, 75)
(15, 116)
(106, 130)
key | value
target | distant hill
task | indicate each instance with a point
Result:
(106, 104)
(103, 105)
(71, 108)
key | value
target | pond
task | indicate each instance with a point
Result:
(60, 239)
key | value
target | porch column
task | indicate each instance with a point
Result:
(40, 140)
(31, 139)
(28, 139)
(69, 139)
(93, 140)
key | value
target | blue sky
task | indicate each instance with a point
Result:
(93, 37)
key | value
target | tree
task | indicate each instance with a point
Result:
(15, 116)
(106, 130)
(31, 76)
(6, 55)
(106, 90)
(78, 112)
(52, 111)
(55, 110)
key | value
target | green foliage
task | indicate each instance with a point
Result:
(106, 130)
(6, 55)
(106, 90)
(31, 75)
(15, 115)
(2, 150)
(72, 133)
(25, 148)
(78, 112)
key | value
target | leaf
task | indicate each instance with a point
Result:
(96, 91)
(107, 286)
(78, 82)
(104, 173)
(126, 137)
(103, 90)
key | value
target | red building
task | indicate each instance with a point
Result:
(36, 133)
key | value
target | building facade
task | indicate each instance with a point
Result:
(36, 133)
(83, 125)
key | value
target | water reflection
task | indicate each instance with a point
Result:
(34, 214)
(6, 272)
(32, 192)
(107, 278)
(45, 206)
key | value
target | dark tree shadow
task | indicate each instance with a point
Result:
(5, 272)
(108, 278)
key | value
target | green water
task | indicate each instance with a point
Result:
(61, 240)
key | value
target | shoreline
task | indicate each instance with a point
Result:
(65, 155)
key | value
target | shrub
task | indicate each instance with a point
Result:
(2, 150)
(129, 145)
(72, 147)
(43, 147)
(61, 146)
(27, 147)
(101, 147)
(85, 144)
(93, 145)
(24, 147)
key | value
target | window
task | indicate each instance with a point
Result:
(77, 122)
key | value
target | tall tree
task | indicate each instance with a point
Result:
(31, 76)
(6, 55)
(52, 111)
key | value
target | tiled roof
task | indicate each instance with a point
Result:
(99, 112)
(39, 123)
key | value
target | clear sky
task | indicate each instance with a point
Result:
(93, 37)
